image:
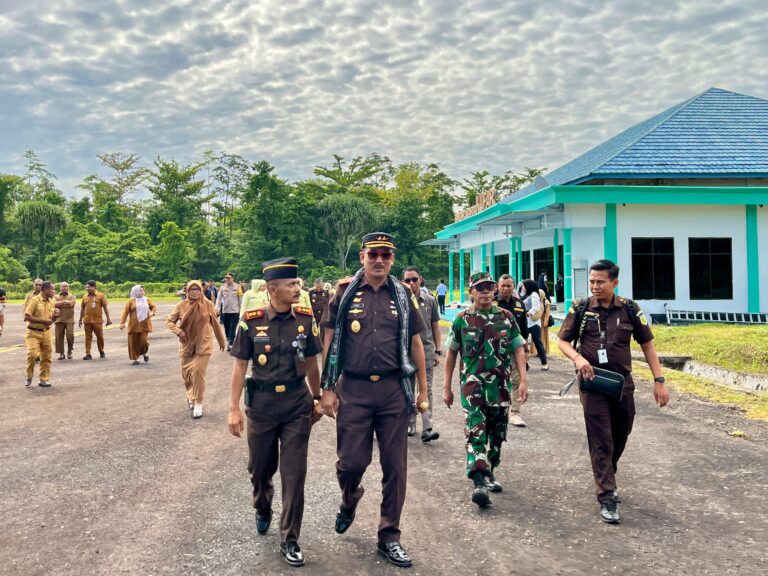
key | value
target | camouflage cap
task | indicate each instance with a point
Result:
(479, 278)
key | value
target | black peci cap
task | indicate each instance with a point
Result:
(379, 240)
(280, 268)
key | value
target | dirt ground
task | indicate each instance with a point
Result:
(106, 473)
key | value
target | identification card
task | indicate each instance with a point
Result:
(602, 356)
(93, 304)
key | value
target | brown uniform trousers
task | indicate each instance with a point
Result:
(366, 408)
(285, 417)
(38, 346)
(65, 329)
(91, 329)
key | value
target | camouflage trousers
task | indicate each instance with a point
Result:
(485, 428)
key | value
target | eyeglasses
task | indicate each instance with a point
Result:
(484, 287)
(410, 280)
(373, 255)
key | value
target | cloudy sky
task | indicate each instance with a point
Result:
(494, 85)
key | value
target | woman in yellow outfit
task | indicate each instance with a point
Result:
(138, 311)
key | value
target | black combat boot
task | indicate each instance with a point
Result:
(480, 493)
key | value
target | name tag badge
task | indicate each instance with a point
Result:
(602, 356)
(93, 304)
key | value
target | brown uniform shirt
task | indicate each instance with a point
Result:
(267, 337)
(93, 306)
(66, 315)
(616, 323)
(319, 299)
(39, 308)
(371, 330)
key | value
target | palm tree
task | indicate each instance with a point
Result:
(41, 221)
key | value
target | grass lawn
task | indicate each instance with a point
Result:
(730, 346)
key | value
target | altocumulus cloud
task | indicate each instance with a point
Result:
(494, 85)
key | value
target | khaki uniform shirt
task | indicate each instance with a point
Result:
(267, 338)
(372, 329)
(66, 315)
(93, 307)
(616, 323)
(41, 309)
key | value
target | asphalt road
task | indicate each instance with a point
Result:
(106, 473)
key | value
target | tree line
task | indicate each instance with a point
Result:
(167, 222)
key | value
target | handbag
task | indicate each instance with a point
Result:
(606, 382)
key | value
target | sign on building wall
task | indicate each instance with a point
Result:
(484, 200)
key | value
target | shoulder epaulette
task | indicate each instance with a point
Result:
(303, 310)
(253, 314)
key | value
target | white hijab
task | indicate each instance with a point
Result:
(142, 306)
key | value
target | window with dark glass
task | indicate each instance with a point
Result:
(710, 267)
(653, 268)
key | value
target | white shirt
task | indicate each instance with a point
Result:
(533, 305)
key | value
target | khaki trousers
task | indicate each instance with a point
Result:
(39, 345)
(90, 330)
(62, 329)
(193, 370)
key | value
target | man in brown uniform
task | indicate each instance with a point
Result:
(372, 326)
(603, 326)
(281, 341)
(319, 298)
(39, 313)
(65, 323)
(38, 284)
(91, 310)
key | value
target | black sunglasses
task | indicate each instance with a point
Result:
(373, 255)
(484, 287)
(410, 280)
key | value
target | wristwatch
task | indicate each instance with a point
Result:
(660, 379)
(439, 352)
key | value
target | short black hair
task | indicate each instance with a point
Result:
(2, 291)
(506, 277)
(606, 266)
(91, 283)
(411, 269)
(442, 280)
(47, 284)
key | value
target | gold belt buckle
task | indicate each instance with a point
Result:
(280, 388)
(374, 378)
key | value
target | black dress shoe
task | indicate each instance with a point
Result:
(411, 430)
(428, 435)
(102, 355)
(61, 356)
(87, 357)
(146, 358)
(345, 517)
(263, 522)
(292, 553)
(395, 554)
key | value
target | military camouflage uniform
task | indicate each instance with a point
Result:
(486, 340)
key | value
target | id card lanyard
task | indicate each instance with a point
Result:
(602, 353)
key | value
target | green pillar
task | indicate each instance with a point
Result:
(512, 269)
(567, 269)
(450, 278)
(493, 261)
(472, 266)
(483, 257)
(556, 257)
(753, 262)
(461, 275)
(610, 247)
(519, 276)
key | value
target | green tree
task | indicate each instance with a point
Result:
(10, 189)
(345, 219)
(11, 270)
(128, 176)
(178, 195)
(41, 220)
(174, 254)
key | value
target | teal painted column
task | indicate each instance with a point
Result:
(450, 277)
(610, 246)
(519, 276)
(492, 263)
(753, 262)
(567, 269)
(483, 256)
(472, 266)
(512, 265)
(556, 257)
(461, 275)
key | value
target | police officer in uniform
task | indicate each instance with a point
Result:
(319, 298)
(488, 340)
(510, 301)
(609, 322)
(281, 341)
(372, 332)
(40, 313)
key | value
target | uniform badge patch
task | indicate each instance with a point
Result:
(355, 326)
(315, 329)
(262, 359)
(303, 310)
(301, 329)
(251, 314)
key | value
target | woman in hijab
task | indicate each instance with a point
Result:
(138, 311)
(255, 298)
(192, 320)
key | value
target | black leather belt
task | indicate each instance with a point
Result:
(38, 329)
(271, 387)
(372, 377)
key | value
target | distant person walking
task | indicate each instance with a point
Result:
(92, 309)
(560, 288)
(442, 290)
(138, 311)
(535, 309)
(39, 313)
(65, 323)
(255, 297)
(542, 283)
(36, 287)
(192, 320)
(228, 304)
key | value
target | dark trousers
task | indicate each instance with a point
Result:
(609, 424)
(230, 320)
(535, 332)
(366, 408)
(441, 303)
(278, 432)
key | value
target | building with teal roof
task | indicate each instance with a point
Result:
(678, 201)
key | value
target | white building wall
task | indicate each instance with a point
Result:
(681, 223)
(762, 243)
